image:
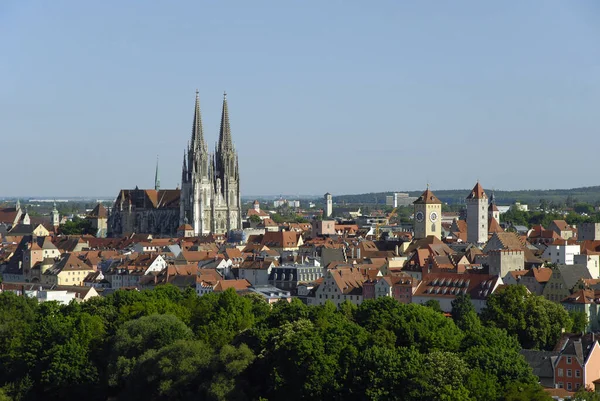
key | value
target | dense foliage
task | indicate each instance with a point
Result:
(165, 344)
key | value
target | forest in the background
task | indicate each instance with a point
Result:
(166, 344)
(534, 197)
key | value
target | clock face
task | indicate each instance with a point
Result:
(419, 216)
(433, 216)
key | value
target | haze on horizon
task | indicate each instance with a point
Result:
(344, 96)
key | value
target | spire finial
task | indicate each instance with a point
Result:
(225, 131)
(156, 177)
(197, 131)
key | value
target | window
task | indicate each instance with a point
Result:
(560, 385)
(560, 372)
(577, 373)
(569, 360)
(569, 373)
(569, 386)
(577, 385)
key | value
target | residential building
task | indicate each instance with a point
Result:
(287, 277)
(255, 211)
(68, 270)
(339, 285)
(578, 362)
(535, 279)
(588, 302)
(591, 260)
(588, 231)
(562, 228)
(561, 252)
(444, 287)
(563, 281)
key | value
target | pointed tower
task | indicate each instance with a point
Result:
(156, 177)
(477, 215)
(196, 185)
(493, 212)
(55, 218)
(227, 215)
(428, 215)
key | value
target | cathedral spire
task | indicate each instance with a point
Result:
(156, 177)
(197, 133)
(225, 131)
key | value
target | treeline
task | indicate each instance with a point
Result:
(171, 345)
(558, 197)
(531, 218)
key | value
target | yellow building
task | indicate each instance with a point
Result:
(428, 216)
(69, 270)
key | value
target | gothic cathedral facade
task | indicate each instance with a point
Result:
(210, 183)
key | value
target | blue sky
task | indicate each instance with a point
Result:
(339, 96)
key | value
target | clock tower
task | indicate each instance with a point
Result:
(428, 215)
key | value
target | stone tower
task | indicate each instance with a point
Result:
(477, 215)
(196, 180)
(328, 205)
(210, 189)
(227, 203)
(428, 215)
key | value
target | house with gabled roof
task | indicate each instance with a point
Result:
(562, 228)
(563, 280)
(339, 285)
(68, 270)
(578, 361)
(445, 287)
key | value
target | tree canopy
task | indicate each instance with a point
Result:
(166, 344)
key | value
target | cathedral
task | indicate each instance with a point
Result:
(210, 183)
(208, 201)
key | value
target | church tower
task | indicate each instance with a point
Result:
(227, 203)
(428, 215)
(196, 178)
(493, 212)
(328, 205)
(55, 218)
(477, 215)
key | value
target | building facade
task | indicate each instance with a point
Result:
(477, 216)
(428, 216)
(209, 199)
(210, 183)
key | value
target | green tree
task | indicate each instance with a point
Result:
(525, 392)
(413, 325)
(580, 321)
(584, 395)
(535, 321)
(463, 313)
(434, 304)
(136, 337)
(254, 219)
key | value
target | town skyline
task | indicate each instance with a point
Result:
(399, 92)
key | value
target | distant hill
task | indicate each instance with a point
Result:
(586, 194)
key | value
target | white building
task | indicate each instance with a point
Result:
(561, 254)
